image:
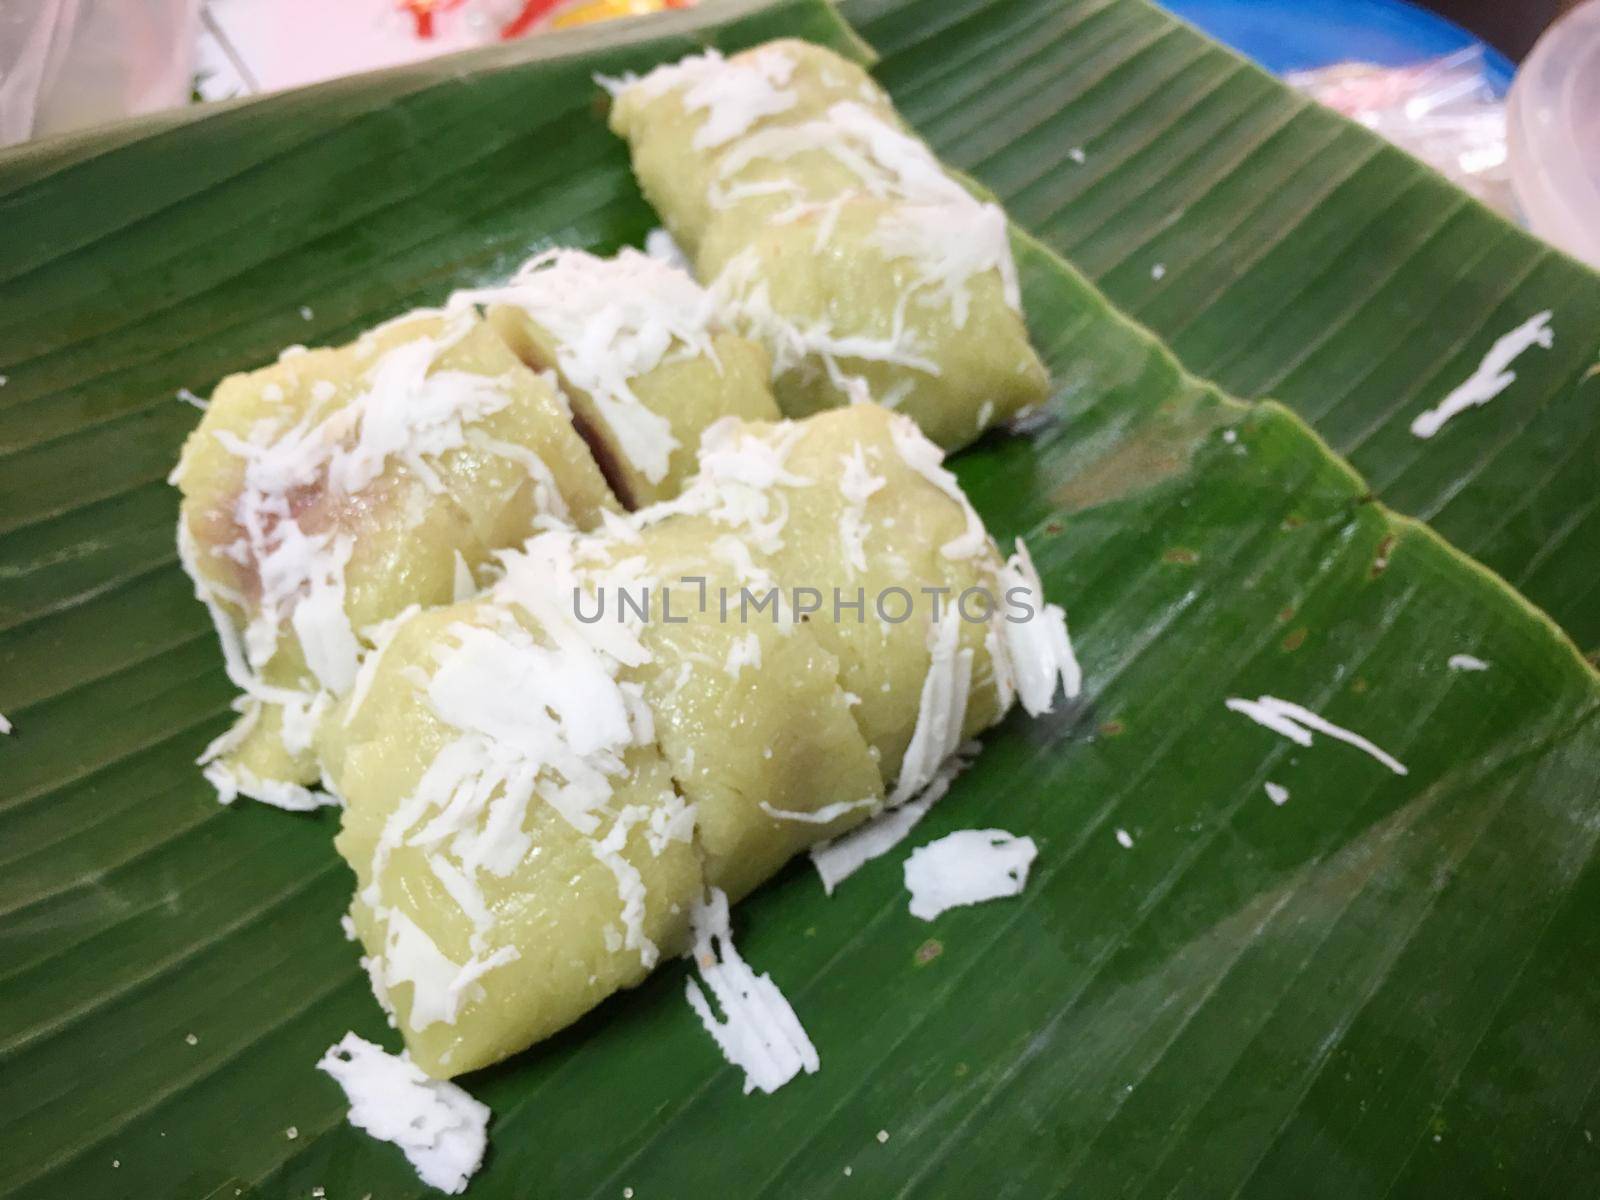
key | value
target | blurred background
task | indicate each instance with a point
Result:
(1510, 26)
(1466, 85)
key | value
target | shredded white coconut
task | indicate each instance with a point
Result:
(411, 956)
(743, 295)
(234, 780)
(739, 469)
(951, 244)
(671, 820)
(1466, 662)
(758, 1032)
(464, 584)
(1037, 658)
(439, 1127)
(1296, 723)
(732, 95)
(403, 410)
(406, 411)
(887, 162)
(857, 484)
(967, 867)
(538, 719)
(663, 247)
(1277, 793)
(630, 884)
(743, 652)
(941, 710)
(820, 816)
(926, 459)
(612, 320)
(1492, 376)
(381, 636)
(837, 860)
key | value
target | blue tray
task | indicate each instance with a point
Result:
(1292, 35)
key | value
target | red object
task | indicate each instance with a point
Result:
(532, 13)
(535, 11)
(422, 11)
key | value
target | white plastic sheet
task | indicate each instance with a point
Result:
(1444, 111)
(66, 64)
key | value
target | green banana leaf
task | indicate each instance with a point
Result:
(1304, 258)
(1382, 986)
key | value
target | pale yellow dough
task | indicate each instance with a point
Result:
(758, 732)
(834, 238)
(689, 390)
(554, 908)
(405, 535)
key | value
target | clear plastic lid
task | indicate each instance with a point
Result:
(1553, 134)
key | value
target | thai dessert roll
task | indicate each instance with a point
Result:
(834, 237)
(541, 784)
(903, 584)
(519, 849)
(681, 119)
(329, 492)
(896, 532)
(640, 352)
(750, 712)
(917, 305)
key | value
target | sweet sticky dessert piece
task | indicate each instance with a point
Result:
(541, 783)
(519, 849)
(693, 128)
(913, 305)
(749, 709)
(328, 492)
(833, 236)
(855, 504)
(534, 800)
(641, 352)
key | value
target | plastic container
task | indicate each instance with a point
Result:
(1553, 134)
